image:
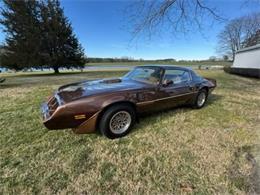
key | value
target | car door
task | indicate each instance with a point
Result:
(177, 93)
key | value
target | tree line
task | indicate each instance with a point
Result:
(163, 61)
(38, 35)
(125, 59)
(239, 33)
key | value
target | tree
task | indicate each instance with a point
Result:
(234, 34)
(229, 40)
(149, 16)
(212, 58)
(21, 25)
(253, 40)
(60, 46)
(39, 35)
(1, 54)
(225, 58)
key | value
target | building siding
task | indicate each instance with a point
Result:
(248, 58)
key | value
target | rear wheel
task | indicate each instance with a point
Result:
(201, 98)
(117, 121)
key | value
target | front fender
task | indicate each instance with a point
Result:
(96, 105)
(131, 98)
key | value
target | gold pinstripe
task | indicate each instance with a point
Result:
(152, 101)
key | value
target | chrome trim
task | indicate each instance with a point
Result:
(57, 97)
(152, 101)
(120, 122)
(201, 99)
(45, 111)
(46, 108)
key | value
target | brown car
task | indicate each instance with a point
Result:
(113, 105)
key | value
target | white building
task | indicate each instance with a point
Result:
(247, 62)
(248, 58)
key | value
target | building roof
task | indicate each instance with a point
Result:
(255, 47)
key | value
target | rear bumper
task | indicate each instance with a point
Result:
(212, 84)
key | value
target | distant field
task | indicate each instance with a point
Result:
(124, 66)
(170, 63)
(206, 151)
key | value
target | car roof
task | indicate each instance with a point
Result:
(166, 66)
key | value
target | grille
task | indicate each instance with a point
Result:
(52, 105)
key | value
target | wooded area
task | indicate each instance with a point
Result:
(38, 35)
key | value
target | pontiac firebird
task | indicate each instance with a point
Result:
(112, 106)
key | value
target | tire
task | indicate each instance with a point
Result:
(199, 103)
(108, 125)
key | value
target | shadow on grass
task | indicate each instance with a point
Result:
(213, 98)
(6, 85)
(248, 180)
(173, 111)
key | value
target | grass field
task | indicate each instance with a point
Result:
(211, 150)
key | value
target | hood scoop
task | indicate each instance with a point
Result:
(108, 81)
(74, 91)
(88, 84)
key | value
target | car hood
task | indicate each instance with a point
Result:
(74, 91)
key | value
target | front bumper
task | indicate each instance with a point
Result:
(61, 118)
(45, 111)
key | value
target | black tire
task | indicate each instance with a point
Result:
(104, 122)
(197, 104)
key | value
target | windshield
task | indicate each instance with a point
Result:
(145, 74)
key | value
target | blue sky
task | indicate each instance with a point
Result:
(100, 27)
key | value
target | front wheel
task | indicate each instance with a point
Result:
(201, 99)
(117, 121)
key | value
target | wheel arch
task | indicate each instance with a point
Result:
(133, 105)
(206, 88)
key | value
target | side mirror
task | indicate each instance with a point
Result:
(167, 82)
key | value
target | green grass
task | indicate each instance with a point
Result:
(211, 150)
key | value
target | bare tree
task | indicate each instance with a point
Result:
(250, 2)
(149, 16)
(253, 40)
(236, 32)
(229, 40)
(251, 25)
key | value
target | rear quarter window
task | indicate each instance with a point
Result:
(195, 77)
(178, 76)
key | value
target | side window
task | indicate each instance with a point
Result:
(177, 76)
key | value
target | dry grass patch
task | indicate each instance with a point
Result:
(211, 150)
